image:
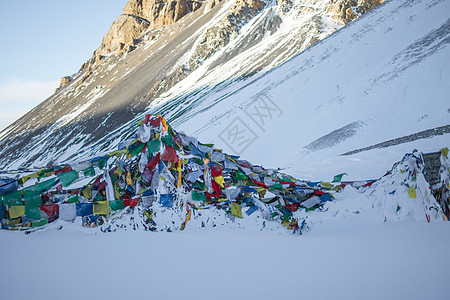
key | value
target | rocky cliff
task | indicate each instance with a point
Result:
(138, 16)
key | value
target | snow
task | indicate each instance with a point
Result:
(346, 259)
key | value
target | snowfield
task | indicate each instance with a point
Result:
(350, 258)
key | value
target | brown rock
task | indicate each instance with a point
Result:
(284, 6)
(122, 32)
(161, 12)
(211, 3)
(346, 11)
(138, 16)
(64, 81)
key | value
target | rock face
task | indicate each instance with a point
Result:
(220, 35)
(348, 10)
(139, 15)
(64, 81)
(160, 12)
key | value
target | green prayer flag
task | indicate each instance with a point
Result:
(32, 199)
(99, 197)
(198, 196)
(68, 177)
(116, 204)
(338, 178)
(167, 139)
(89, 172)
(198, 160)
(238, 175)
(136, 149)
(286, 179)
(33, 202)
(32, 212)
(37, 188)
(13, 199)
(277, 186)
(101, 163)
(74, 199)
(45, 185)
(153, 146)
(39, 223)
(200, 185)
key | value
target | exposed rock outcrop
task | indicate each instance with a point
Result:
(211, 4)
(139, 15)
(220, 35)
(161, 12)
(64, 81)
(347, 10)
(284, 6)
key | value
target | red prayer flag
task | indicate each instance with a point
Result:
(63, 170)
(170, 155)
(216, 170)
(131, 202)
(50, 209)
(318, 193)
(260, 183)
(153, 162)
(216, 188)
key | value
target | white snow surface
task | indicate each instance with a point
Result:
(345, 259)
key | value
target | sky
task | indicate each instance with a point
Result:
(44, 41)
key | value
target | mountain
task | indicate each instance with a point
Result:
(171, 52)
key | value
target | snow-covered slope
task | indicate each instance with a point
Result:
(384, 76)
(197, 55)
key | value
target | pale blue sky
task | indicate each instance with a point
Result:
(43, 41)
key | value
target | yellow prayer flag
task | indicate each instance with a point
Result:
(16, 211)
(412, 192)
(236, 210)
(444, 152)
(129, 181)
(327, 185)
(164, 124)
(101, 208)
(220, 181)
(87, 193)
(118, 153)
(179, 174)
